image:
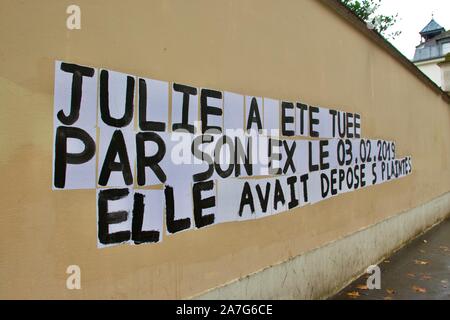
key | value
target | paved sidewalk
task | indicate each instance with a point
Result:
(421, 270)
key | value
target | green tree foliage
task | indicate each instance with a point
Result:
(368, 11)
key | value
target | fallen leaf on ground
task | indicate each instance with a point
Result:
(387, 261)
(353, 294)
(390, 291)
(445, 248)
(412, 275)
(426, 277)
(422, 251)
(419, 289)
(425, 241)
(444, 281)
(362, 287)
(421, 262)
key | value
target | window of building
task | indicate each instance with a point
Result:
(445, 48)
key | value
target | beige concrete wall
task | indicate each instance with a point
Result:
(288, 49)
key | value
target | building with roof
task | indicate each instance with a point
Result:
(431, 52)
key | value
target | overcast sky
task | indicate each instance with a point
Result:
(414, 16)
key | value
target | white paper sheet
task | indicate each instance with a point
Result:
(279, 206)
(261, 155)
(153, 211)
(249, 145)
(272, 117)
(275, 150)
(182, 194)
(233, 113)
(290, 119)
(157, 101)
(124, 204)
(179, 164)
(117, 92)
(229, 194)
(302, 121)
(78, 176)
(116, 178)
(290, 146)
(151, 148)
(332, 153)
(205, 156)
(301, 157)
(215, 120)
(313, 148)
(303, 189)
(325, 127)
(177, 109)
(208, 211)
(266, 187)
(314, 188)
(62, 98)
(248, 101)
